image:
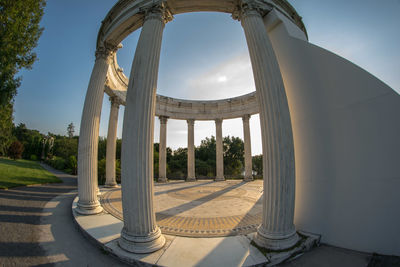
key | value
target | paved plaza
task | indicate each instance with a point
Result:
(201, 209)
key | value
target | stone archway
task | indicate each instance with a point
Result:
(140, 233)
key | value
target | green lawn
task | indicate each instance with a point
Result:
(23, 172)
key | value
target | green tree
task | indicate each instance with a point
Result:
(19, 34)
(31, 139)
(65, 147)
(258, 165)
(6, 127)
(233, 155)
(71, 130)
(15, 150)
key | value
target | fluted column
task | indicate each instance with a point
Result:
(191, 176)
(89, 136)
(248, 166)
(162, 151)
(140, 233)
(112, 143)
(277, 230)
(219, 151)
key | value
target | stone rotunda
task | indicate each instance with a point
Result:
(314, 107)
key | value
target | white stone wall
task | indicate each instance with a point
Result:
(346, 133)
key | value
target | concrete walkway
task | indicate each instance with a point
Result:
(37, 229)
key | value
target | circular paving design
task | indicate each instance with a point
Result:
(202, 208)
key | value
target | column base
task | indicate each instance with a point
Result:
(275, 241)
(162, 180)
(248, 179)
(88, 209)
(190, 179)
(111, 185)
(219, 179)
(141, 244)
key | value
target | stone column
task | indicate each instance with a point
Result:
(191, 176)
(248, 166)
(162, 154)
(112, 143)
(277, 230)
(140, 233)
(89, 136)
(220, 151)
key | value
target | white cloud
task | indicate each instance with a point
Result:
(229, 79)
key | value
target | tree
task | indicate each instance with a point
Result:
(31, 139)
(233, 155)
(71, 130)
(15, 150)
(258, 165)
(19, 34)
(6, 127)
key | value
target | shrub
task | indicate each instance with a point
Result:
(57, 163)
(34, 157)
(72, 165)
(101, 172)
(15, 150)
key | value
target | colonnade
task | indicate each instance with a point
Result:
(140, 233)
(162, 177)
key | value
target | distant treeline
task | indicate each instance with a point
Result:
(61, 152)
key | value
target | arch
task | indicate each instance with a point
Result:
(140, 233)
(127, 16)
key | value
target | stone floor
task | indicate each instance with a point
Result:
(202, 208)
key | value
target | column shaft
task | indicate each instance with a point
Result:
(191, 176)
(140, 233)
(277, 230)
(162, 151)
(89, 136)
(112, 143)
(248, 169)
(219, 151)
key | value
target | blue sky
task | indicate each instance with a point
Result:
(201, 58)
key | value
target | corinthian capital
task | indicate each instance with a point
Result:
(247, 8)
(106, 51)
(115, 101)
(158, 11)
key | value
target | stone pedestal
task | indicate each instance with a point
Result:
(140, 233)
(248, 166)
(162, 154)
(219, 151)
(277, 230)
(89, 136)
(191, 176)
(112, 143)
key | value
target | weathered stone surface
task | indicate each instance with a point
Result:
(162, 155)
(89, 135)
(112, 143)
(219, 151)
(141, 233)
(277, 230)
(190, 154)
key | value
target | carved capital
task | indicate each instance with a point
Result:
(218, 121)
(163, 119)
(158, 11)
(190, 122)
(248, 8)
(115, 101)
(246, 118)
(107, 51)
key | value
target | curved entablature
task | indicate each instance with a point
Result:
(127, 15)
(180, 109)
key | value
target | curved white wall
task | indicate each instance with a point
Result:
(346, 127)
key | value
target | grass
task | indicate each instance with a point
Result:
(23, 172)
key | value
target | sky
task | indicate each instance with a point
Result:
(203, 56)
